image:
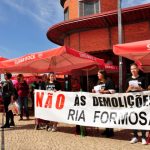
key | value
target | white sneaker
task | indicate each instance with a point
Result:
(134, 140)
(54, 129)
(49, 129)
(42, 127)
(144, 141)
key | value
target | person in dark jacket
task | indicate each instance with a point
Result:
(7, 95)
(23, 91)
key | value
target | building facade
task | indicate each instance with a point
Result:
(92, 26)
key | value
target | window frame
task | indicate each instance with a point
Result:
(81, 2)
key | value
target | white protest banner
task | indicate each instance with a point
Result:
(119, 110)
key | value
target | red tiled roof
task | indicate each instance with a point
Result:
(58, 32)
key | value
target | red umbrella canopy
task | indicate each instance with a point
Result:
(136, 51)
(2, 58)
(59, 60)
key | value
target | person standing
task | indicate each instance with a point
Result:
(52, 85)
(43, 82)
(75, 87)
(7, 95)
(23, 91)
(104, 86)
(136, 83)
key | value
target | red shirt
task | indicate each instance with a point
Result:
(22, 88)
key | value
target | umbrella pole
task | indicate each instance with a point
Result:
(120, 42)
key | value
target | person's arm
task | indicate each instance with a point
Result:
(11, 90)
(109, 86)
(16, 86)
(27, 87)
(139, 88)
(130, 88)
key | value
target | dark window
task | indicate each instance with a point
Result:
(66, 14)
(88, 7)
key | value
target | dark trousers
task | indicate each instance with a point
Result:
(23, 102)
(32, 98)
(9, 114)
(78, 129)
(135, 132)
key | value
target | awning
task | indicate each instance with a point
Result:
(136, 51)
(60, 60)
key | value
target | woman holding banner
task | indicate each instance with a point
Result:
(52, 85)
(136, 83)
(104, 86)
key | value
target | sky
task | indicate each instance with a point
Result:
(24, 24)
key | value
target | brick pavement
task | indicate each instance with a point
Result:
(24, 137)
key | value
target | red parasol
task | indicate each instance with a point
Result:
(136, 51)
(60, 60)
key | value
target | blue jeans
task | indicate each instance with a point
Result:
(23, 102)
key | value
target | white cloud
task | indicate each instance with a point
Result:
(44, 12)
(49, 12)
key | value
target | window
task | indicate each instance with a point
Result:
(88, 7)
(66, 14)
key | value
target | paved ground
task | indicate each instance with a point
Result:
(24, 137)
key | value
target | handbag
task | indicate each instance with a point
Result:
(14, 107)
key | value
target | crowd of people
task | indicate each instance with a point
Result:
(105, 85)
